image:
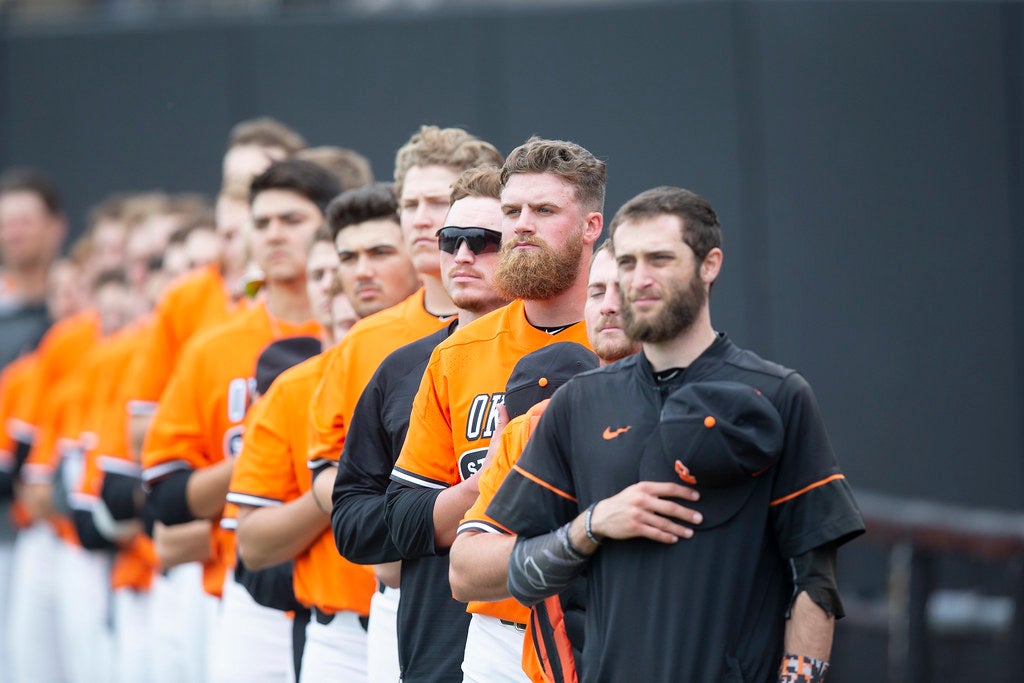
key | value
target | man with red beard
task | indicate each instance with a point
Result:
(708, 482)
(480, 553)
(551, 200)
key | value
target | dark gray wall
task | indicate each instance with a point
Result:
(865, 159)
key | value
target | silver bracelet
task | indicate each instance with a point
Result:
(587, 527)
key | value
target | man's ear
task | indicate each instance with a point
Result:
(711, 265)
(594, 223)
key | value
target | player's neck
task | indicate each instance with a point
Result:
(26, 285)
(681, 351)
(288, 300)
(563, 309)
(435, 297)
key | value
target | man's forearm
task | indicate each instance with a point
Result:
(207, 488)
(271, 535)
(181, 543)
(808, 642)
(449, 508)
(479, 566)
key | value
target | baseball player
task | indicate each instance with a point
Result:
(201, 299)
(197, 429)
(430, 639)
(708, 481)
(425, 168)
(481, 551)
(551, 201)
(279, 517)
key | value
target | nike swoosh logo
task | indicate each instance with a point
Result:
(609, 434)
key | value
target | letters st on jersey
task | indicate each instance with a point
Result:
(481, 422)
(241, 394)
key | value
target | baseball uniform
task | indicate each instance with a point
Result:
(452, 421)
(731, 581)
(272, 470)
(430, 638)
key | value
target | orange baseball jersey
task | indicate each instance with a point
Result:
(59, 353)
(195, 301)
(199, 420)
(452, 415)
(134, 565)
(351, 364)
(272, 470)
(95, 398)
(15, 415)
(66, 434)
(513, 441)
(135, 560)
(15, 382)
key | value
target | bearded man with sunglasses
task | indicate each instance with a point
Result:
(431, 625)
(551, 201)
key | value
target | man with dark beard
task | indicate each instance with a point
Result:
(551, 201)
(703, 501)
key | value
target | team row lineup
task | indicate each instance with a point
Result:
(440, 429)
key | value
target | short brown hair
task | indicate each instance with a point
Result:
(35, 182)
(451, 147)
(567, 160)
(481, 181)
(111, 208)
(265, 132)
(350, 167)
(701, 230)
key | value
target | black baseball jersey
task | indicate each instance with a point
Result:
(703, 610)
(431, 625)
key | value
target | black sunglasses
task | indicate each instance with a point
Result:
(479, 240)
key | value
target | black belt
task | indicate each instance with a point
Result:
(324, 618)
(514, 624)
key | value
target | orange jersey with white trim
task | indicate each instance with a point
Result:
(60, 352)
(15, 382)
(351, 364)
(135, 560)
(199, 421)
(272, 469)
(513, 441)
(452, 418)
(196, 301)
(103, 408)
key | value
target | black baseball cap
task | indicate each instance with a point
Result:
(537, 374)
(281, 355)
(716, 437)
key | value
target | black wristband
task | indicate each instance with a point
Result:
(586, 525)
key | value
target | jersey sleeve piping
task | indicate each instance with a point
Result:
(484, 526)
(810, 487)
(412, 479)
(251, 500)
(153, 474)
(319, 463)
(115, 465)
(540, 482)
